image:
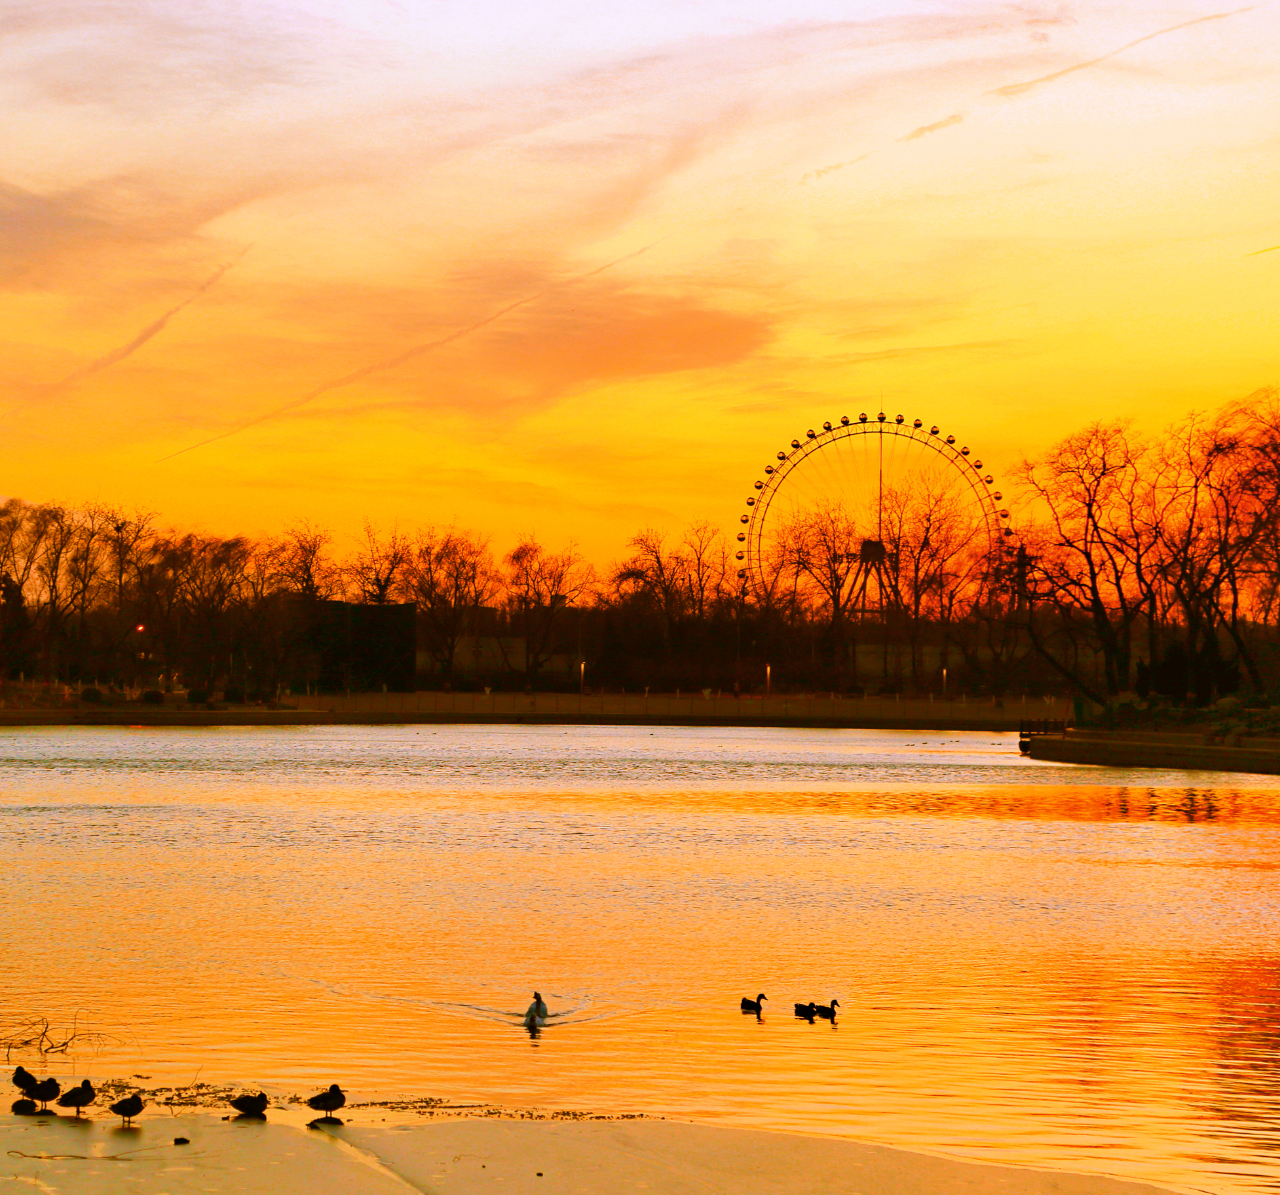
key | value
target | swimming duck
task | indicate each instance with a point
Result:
(128, 1108)
(749, 1005)
(46, 1090)
(536, 1014)
(78, 1097)
(24, 1081)
(328, 1101)
(827, 1011)
(807, 1011)
(250, 1105)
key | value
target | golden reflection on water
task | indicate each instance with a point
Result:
(1080, 975)
(1084, 803)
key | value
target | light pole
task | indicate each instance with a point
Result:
(139, 654)
(768, 678)
(582, 677)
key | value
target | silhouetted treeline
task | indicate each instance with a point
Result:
(1160, 556)
(1140, 564)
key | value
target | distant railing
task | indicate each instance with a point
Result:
(1031, 728)
(1010, 712)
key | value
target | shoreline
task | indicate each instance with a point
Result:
(563, 709)
(1151, 749)
(211, 718)
(512, 1154)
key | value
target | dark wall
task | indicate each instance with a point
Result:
(363, 647)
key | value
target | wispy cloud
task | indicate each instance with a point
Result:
(923, 350)
(410, 300)
(403, 357)
(1016, 89)
(140, 56)
(66, 237)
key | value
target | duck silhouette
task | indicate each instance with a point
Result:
(46, 1090)
(328, 1102)
(23, 1107)
(128, 1108)
(535, 1016)
(25, 1081)
(250, 1105)
(827, 1011)
(78, 1097)
(807, 1011)
(749, 1005)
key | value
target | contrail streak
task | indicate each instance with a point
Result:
(1256, 252)
(400, 358)
(151, 330)
(932, 128)
(1020, 88)
(1015, 89)
(833, 168)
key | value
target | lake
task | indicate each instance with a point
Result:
(1035, 963)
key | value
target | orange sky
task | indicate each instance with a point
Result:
(543, 267)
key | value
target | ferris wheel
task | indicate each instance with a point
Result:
(890, 485)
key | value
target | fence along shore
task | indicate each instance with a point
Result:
(607, 709)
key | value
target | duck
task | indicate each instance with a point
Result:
(128, 1108)
(329, 1101)
(46, 1090)
(78, 1097)
(250, 1105)
(807, 1011)
(536, 1014)
(749, 1005)
(827, 1011)
(24, 1081)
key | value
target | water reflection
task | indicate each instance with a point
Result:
(1077, 972)
(468, 760)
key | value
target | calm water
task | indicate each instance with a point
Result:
(1060, 966)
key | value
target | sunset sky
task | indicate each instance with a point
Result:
(581, 268)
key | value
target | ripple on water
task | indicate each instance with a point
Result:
(1042, 964)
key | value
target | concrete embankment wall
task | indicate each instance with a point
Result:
(1138, 749)
(610, 709)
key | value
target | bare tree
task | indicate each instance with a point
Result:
(1260, 580)
(21, 541)
(539, 585)
(661, 575)
(1216, 478)
(213, 592)
(306, 564)
(937, 552)
(1099, 567)
(449, 574)
(706, 566)
(127, 532)
(825, 545)
(59, 530)
(376, 569)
